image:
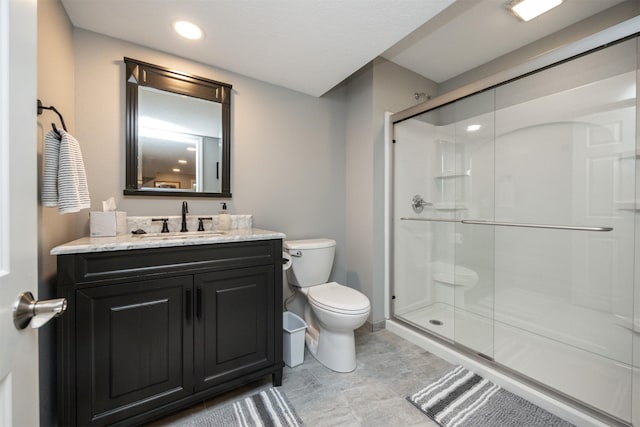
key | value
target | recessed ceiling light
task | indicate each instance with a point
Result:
(176, 170)
(188, 30)
(526, 10)
(191, 149)
(473, 128)
(182, 161)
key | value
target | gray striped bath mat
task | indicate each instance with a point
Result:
(461, 398)
(267, 408)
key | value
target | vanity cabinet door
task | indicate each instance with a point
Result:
(234, 324)
(134, 348)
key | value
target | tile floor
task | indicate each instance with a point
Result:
(389, 368)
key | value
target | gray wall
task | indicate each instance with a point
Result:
(359, 181)
(379, 87)
(288, 157)
(55, 87)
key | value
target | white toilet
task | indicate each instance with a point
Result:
(332, 311)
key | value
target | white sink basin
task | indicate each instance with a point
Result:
(179, 235)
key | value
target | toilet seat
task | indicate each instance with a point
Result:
(338, 298)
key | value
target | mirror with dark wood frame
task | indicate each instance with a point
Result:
(178, 126)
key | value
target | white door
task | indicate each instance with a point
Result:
(18, 209)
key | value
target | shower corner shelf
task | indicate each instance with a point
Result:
(449, 206)
(449, 176)
(629, 155)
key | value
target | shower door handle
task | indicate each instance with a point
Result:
(512, 224)
(550, 226)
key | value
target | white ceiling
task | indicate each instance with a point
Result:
(311, 46)
(305, 45)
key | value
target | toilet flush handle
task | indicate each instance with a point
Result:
(286, 261)
(296, 254)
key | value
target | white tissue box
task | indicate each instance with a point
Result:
(107, 224)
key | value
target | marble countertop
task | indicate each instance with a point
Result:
(158, 240)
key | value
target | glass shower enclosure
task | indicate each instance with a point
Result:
(515, 228)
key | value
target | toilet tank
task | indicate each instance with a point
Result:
(312, 260)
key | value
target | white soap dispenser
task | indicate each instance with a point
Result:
(224, 219)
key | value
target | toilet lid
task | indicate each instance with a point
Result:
(309, 244)
(336, 297)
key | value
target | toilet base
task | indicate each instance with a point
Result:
(330, 334)
(323, 344)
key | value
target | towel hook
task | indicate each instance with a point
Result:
(52, 108)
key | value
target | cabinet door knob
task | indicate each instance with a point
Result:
(187, 304)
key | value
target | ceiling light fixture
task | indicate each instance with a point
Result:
(473, 128)
(176, 170)
(182, 161)
(191, 149)
(526, 10)
(188, 30)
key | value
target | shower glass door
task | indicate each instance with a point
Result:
(443, 269)
(566, 156)
(516, 229)
(424, 164)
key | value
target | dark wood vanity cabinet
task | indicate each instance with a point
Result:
(150, 331)
(134, 346)
(232, 324)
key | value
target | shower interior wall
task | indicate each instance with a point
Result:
(558, 306)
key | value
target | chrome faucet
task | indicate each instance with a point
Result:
(185, 211)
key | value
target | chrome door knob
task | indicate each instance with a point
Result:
(26, 308)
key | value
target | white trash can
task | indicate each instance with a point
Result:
(293, 341)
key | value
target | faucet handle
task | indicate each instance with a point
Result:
(165, 226)
(200, 224)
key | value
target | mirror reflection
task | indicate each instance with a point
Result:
(178, 133)
(177, 136)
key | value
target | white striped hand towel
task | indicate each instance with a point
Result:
(50, 174)
(65, 173)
